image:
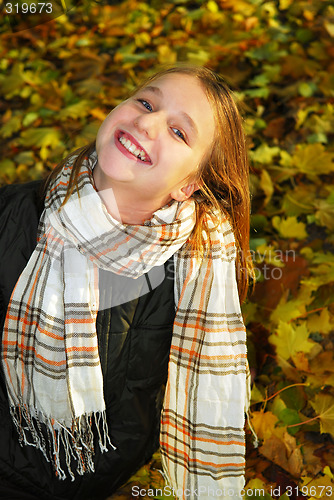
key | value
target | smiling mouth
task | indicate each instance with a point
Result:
(129, 143)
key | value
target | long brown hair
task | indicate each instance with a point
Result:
(223, 175)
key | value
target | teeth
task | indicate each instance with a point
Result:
(132, 148)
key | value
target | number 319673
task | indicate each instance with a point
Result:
(25, 8)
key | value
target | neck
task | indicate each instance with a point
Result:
(121, 203)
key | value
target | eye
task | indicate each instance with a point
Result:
(146, 104)
(179, 133)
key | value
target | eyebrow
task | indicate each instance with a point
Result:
(184, 115)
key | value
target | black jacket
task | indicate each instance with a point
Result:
(134, 341)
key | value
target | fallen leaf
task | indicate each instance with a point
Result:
(289, 227)
(323, 405)
(266, 185)
(263, 423)
(313, 160)
(284, 452)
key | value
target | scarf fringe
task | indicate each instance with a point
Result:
(59, 443)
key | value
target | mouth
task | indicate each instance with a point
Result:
(129, 146)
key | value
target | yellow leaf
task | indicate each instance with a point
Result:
(330, 28)
(264, 153)
(78, 110)
(320, 322)
(289, 340)
(166, 55)
(313, 160)
(142, 39)
(44, 153)
(263, 423)
(299, 200)
(266, 185)
(322, 370)
(11, 126)
(212, 6)
(327, 471)
(318, 487)
(325, 212)
(257, 488)
(40, 137)
(256, 395)
(323, 274)
(285, 4)
(288, 310)
(98, 113)
(292, 308)
(289, 227)
(7, 169)
(11, 83)
(323, 404)
(301, 362)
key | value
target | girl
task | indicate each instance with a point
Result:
(133, 277)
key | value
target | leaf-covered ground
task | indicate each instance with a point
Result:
(58, 81)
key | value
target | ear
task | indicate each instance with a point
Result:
(185, 192)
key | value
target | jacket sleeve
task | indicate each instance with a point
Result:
(20, 209)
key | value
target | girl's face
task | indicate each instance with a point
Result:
(153, 141)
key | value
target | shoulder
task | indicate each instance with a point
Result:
(20, 208)
(22, 196)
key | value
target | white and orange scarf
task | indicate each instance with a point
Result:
(50, 349)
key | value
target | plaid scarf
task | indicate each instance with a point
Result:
(50, 349)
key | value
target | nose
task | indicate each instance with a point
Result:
(150, 124)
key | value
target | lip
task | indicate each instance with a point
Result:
(123, 133)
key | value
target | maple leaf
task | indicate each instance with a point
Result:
(266, 185)
(11, 126)
(324, 214)
(289, 308)
(320, 322)
(319, 487)
(264, 153)
(323, 405)
(40, 137)
(313, 160)
(290, 227)
(321, 370)
(284, 452)
(289, 340)
(299, 200)
(263, 423)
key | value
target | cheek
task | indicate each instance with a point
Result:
(103, 132)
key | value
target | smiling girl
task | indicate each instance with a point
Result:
(135, 283)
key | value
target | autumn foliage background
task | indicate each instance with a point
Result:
(59, 80)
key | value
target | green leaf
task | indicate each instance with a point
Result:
(77, 110)
(8, 169)
(40, 137)
(323, 404)
(289, 416)
(29, 118)
(307, 89)
(11, 126)
(265, 154)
